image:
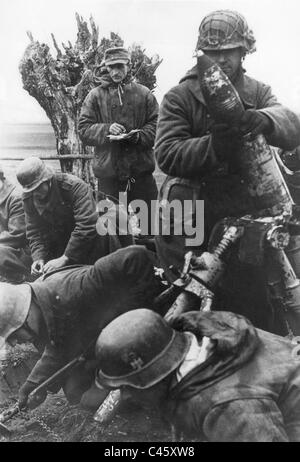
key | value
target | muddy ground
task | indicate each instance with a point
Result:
(57, 421)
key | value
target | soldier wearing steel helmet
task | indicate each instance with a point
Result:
(199, 155)
(61, 216)
(211, 374)
(63, 312)
(15, 259)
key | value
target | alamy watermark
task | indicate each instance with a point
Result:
(164, 218)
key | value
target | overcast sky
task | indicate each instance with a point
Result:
(166, 27)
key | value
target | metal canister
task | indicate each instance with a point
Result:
(108, 409)
(256, 162)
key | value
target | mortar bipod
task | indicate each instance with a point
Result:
(200, 276)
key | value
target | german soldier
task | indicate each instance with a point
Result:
(199, 155)
(61, 216)
(63, 312)
(212, 374)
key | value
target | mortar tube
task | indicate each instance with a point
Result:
(258, 167)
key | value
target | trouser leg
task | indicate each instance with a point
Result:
(123, 237)
(77, 383)
(109, 186)
(145, 189)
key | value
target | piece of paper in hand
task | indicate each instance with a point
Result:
(123, 136)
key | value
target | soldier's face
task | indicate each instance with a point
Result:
(117, 71)
(41, 193)
(230, 61)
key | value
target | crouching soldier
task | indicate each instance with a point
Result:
(63, 313)
(15, 260)
(215, 377)
(61, 216)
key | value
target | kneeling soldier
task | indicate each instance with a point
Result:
(61, 216)
(63, 313)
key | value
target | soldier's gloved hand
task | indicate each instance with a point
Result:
(254, 122)
(36, 400)
(24, 392)
(225, 139)
(33, 401)
(56, 263)
(117, 129)
(37, 267)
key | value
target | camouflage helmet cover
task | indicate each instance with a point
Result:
(223, 30)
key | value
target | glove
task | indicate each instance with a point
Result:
(255, 122)
(25, 391)
(225, 139)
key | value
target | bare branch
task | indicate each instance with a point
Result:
(78, 19)
(59, 53)
(83, 41)
(95, 33)
(30, 35)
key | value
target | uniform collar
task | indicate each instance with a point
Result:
(5, 191)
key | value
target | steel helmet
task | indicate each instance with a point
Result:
(32, 172)
(225, 29)
(139, 349)
(14, 307)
